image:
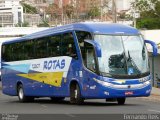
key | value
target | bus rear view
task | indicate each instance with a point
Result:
(107, 61)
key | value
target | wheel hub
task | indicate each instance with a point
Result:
(75, 93)
(21, 94)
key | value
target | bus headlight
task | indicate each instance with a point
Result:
(107, 84)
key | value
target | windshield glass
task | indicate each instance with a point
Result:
(122, 55)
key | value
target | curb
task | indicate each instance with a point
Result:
(0, 85)
(155, 95)
(155, 91)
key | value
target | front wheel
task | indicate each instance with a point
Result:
(75, 95)
(121, 101)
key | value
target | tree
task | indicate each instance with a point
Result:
(149, 23)
(53, 10)
(28, 8)
(149, 13)
(94, 12)
(69, 10)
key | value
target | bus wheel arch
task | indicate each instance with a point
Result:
(21, 94)
(17, 85)
(75, 93)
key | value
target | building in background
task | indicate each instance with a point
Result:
(39, 4)
(11, 13)
(123, 5)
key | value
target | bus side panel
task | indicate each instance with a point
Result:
(31, 87)
(90, 88)
(72, 74)
(39, 82)
(8, 82)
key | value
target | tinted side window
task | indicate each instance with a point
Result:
(3, 50)
(28, 51)
(81, 36)
(17, 51)
(7, 53)
(41, 48)
(53, 46)
(68, 45)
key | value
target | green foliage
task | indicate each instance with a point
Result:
(44, 24)
(148, 23)
(94, 12)
(122, 16)
(69, 10)
(157, 8)
(29, 9)
(149, 14)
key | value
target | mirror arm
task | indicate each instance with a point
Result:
(96, 46)
(154, 47)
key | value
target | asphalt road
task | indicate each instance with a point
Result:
(10, 104)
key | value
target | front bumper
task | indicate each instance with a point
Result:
(107, 90)
(117, 93)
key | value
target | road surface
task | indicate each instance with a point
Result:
(9, 104)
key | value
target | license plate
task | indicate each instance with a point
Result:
(129, 93)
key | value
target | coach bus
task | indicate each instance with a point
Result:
(82, 61)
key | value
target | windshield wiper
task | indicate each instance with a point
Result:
(132, 62)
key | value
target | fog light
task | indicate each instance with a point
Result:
(148, 91)
(106, 93)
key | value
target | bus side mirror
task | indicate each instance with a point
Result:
(96, 46)
(154, 47)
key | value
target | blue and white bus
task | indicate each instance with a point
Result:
(81, 61)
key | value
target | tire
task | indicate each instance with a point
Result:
(121, 101)
(75, 95)
(21, 96)
(57, 99)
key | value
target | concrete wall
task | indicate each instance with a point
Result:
(155, 68)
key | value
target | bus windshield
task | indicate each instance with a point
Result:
(122, 55)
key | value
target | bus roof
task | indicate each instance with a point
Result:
(93, 27)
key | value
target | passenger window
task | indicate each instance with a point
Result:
(29, 50)
(17, 51)
(7, 53)
(68, 46)
(53, 44)
(81, 36)
(41, 48)
(3, 53)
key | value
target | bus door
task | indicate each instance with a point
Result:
(89, 60)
